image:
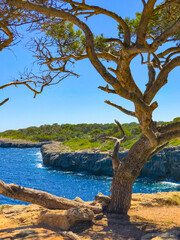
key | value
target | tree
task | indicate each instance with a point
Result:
(154, 27)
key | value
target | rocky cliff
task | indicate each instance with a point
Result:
(165, 164)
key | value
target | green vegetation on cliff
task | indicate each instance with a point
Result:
(80, 136)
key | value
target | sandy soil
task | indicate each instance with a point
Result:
(152, 216)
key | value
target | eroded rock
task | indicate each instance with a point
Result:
(102, 198)
(165, 164)
(65, 219)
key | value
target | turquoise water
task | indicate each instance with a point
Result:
(25, 168)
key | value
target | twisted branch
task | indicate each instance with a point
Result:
(107, 89)
(99, 10)
(115, 154)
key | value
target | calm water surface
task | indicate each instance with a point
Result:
(25, 168)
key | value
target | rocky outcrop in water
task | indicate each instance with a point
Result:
(17, 143)
(165, 164)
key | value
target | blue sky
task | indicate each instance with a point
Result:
(78, 100)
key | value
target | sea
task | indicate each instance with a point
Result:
(25, 168)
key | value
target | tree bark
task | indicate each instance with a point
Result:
(41, 198)
(124, 177)
(121, 195)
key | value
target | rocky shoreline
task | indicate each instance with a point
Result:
(164, 165)
(18, 143)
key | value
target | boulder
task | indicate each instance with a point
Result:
(102, 198)
(65, 219)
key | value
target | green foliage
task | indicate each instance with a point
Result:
(174, 142)
(176, 119)
(79, 143)
(101, 45)
(2, 207)
(81, 136)
(67, 39)
(70, 40)
(160, 21)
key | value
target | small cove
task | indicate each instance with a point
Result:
(25, 168)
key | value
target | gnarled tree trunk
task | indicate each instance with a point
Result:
(125, 175)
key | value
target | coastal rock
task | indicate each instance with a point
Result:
(95, 163)
(65, 219)
(102, 198)
(17, 143)
(164, 165)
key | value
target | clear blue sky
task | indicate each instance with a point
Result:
(78, 100)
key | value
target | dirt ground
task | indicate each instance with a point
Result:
(152, 216)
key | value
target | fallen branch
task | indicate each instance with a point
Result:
(41, 198)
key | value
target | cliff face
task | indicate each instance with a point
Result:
(96, 163)
(165, 164)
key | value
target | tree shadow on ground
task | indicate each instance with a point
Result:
(30, 232)
(119, 227)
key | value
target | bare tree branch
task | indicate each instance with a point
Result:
(161, 79)
(164, 137)
(170, 56)
(142, 58)
(157, 61)
(6, 42)
(169, 127)
(111, 139)
(166, 4)
(166, 34)
(115, 154)
(146, 15)
(103, 55)
(167, 51)
(121, 130)
(41, 198)
(107, 89)
(152, 75)
(49, 11)
(99, 10)
(130, 113)
(158, 149)
(144, 2)
(33, 80)
(3, 102)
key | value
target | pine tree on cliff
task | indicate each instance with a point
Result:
(155, 26)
